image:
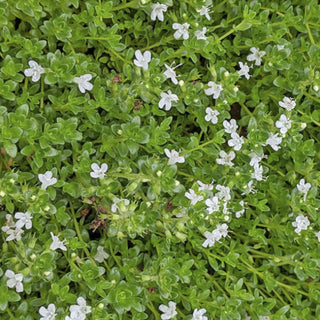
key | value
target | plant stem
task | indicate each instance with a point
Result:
(76, 225)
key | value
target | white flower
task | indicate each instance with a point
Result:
(280, 47)
(214, 89)
(9, 223)
(48, 313)
(212, 237)
(173, 156)
(230, 126)
(251, 188)
(256, 56)
(201, 34)
(191, 195)
(115, 207)
(284, 124)
(97, 171)
(255, 159)
(274, 141)
(166, 100)
(303, 188)
(236, 141)
(240, 212)
(101, 255)
(46, 180)
(168, 312)
(223, 229)
(157, 11)
(244, 70)
(224, 193)
(57, 244)
(317, 234)
(83, 82)
(211, 115)
(80, 310)
(142, 60)
(170, 73)
(182, 30)
(14, 234)
(14, 280)
(203, 186)
(301, 223)
(199, 314)
(225, 158)
(212, 205)
(257, 174)
(287, 103)
(34, 71)
(204, 11)
(24, 219)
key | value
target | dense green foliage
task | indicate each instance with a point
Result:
(139, 211)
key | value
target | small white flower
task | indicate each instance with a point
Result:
(226, 158)
(57, 244)
(240, 212)
(83, 82)
(212, 205)
(280, 47)
(48, 313)
(203, 186)
(251, 188)
(204, 11)
(24, 219)
(201, 34)
(212, 237)
(223, 229)
(80, 310)
(257, 174)
(97, 171)
(255, 159)
(170, 73)
(256, 56)
(157, 11)
(115, 207)
(142, 60)
(287, 103)
(166, 100)
(317, 234)
(101, 255)
(303, 188)
(173, 156)
(244, 70)
(236, 141)
(9, 223)
(230, 126)
(14, 280)
(214, 89)
(182, 30)
(212, 115)
(301, 223)
(191, 195)
(14, 234)
(34, 71)
(46, 180)
(273, 141)
(224, 192)
(168, 312)
(284, 124)
(199, 314)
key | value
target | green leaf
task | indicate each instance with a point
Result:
(10, 148)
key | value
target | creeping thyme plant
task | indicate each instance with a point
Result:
(159, 160)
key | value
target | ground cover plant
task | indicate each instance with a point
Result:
(159, 160)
